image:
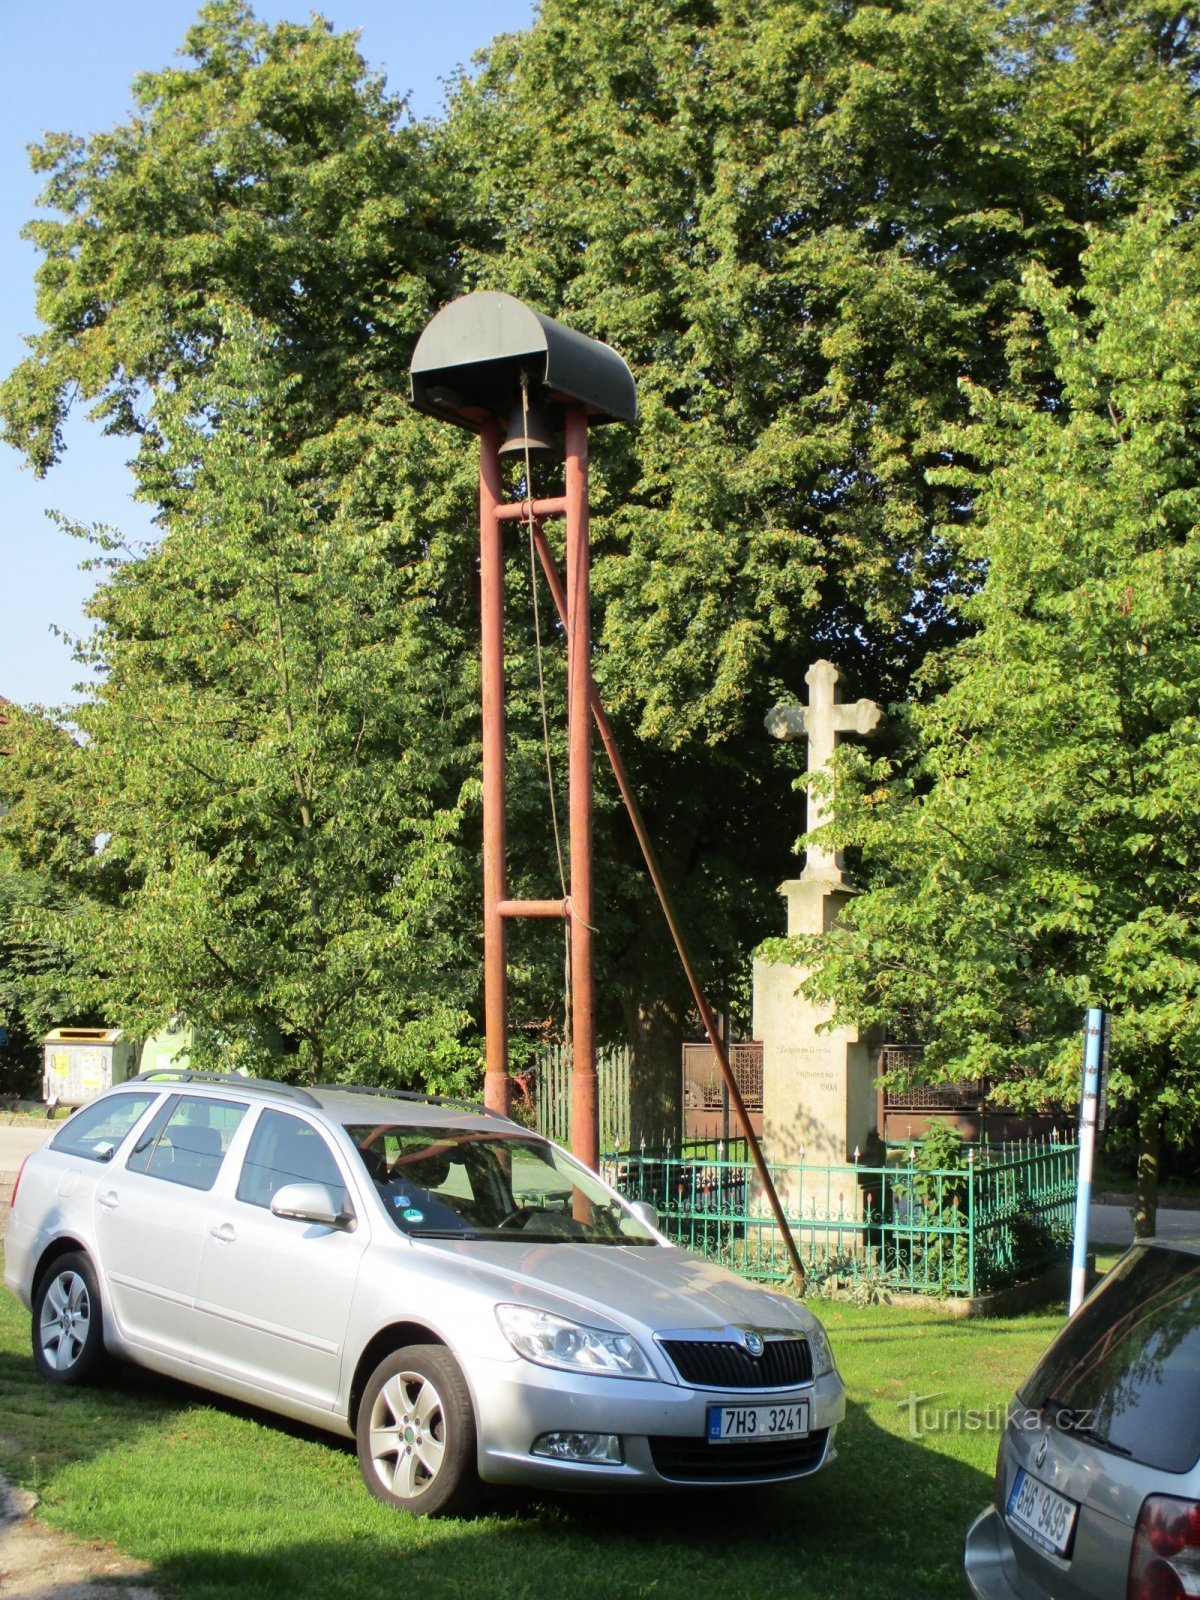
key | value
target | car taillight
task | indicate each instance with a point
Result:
(1165, 1561)
(12, 1199)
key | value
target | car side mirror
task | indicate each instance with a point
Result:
(312, 1202)
(644, 1212)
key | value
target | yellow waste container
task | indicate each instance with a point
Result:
(80, 1063)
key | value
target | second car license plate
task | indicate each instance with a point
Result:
(741, 1424)
(1041, 1514)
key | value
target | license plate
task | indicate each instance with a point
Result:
(1041, 1514)
(741, 1424)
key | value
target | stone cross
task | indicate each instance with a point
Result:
(822, 720)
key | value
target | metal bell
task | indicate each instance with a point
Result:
(529, 432)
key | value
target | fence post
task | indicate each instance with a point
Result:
(971, 1221)
(1088, 1117)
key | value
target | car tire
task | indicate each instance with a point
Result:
(68, 1323)
(416, 1433)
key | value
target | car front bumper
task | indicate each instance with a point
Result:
(661, 1427)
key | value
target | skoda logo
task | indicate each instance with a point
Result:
(1041, 1455)
(753, 1343)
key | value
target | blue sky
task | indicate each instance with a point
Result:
(67, 67)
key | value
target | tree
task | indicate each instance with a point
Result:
(279, 759)
(43, 981)
(1037, 849)
(284, 763)
(271, 172)
(803, 225)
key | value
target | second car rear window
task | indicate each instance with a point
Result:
(1127, 1367)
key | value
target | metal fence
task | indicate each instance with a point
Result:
(552, 1095)
(1007, 1212)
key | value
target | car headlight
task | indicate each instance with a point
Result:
(822, 1351)
(552, 1341)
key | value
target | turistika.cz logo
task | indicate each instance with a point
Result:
(925, 1416)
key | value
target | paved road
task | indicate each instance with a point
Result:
(16, 1142)
(1113, 1225)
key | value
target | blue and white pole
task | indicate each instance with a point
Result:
(1088, 1116)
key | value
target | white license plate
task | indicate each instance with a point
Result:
(1041, 1514)
(741, 1424)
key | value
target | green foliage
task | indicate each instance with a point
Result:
(930, 1199)
(1036, 850)
(279, 764)
(838, 246)
(278, 768)
(43, 853)
(804, 225)
(271, 172)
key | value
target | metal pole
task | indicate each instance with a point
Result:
(585, 1121)
(673, 923)
(1092, 1041)
(497, 1088)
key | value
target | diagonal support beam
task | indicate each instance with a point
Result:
(649, 854)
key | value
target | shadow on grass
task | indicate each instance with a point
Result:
(224, 1499)
(50, 1424)
(886, 1519)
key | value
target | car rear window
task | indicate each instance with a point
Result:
(1126, 1369)
(96, 1130)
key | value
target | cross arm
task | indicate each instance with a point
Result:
(787, 722)
(862, 716)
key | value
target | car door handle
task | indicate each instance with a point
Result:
(110, 1199)
(224, 1232)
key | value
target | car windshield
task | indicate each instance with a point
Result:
(476, 1183)
(1125, 1372)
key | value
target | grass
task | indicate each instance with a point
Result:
(23, 1114)
(219, 1498)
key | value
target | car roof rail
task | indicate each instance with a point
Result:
(415, 1094)
(234, 1080)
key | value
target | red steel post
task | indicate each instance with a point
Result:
(497, 1088)
(585, 1122)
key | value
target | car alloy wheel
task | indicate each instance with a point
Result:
(68, 1333)
(416, 1433)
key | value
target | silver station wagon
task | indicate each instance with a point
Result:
(458, 1295)
(1098, 1476)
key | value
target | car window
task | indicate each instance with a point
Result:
(535, 1182)
(1126, 1369)
(464, 1181)
(284, 1149)
(186, 1141)
(96, 1130)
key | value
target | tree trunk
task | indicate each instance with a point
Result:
(655, 1033)
(1145, 1210)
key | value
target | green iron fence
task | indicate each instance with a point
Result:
(1007, 1212)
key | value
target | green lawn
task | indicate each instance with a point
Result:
(220, 1499)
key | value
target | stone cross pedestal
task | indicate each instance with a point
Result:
(818, 1091)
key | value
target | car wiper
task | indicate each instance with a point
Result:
(441, 1233)
(1100, 1440)
(1070, 1420)
(1061, 1415)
